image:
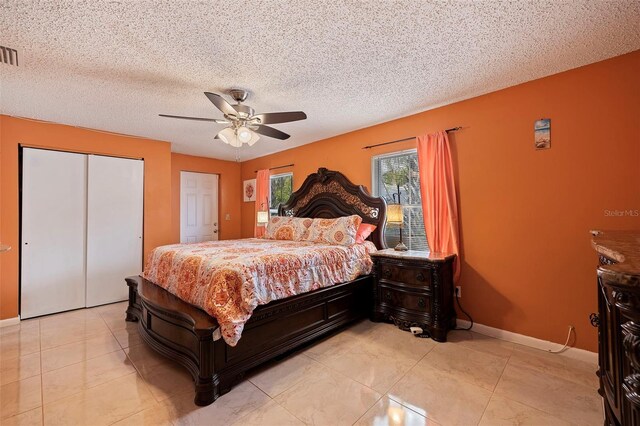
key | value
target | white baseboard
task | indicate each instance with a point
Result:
(521, 339)
(10, 321)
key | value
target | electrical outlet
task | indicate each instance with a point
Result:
(227, 217)
(458, 291)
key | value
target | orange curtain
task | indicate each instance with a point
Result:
(438, 191)
(262, 199)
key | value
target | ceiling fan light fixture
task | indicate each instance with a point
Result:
(228, 136)
(244, 134)
(254, 138)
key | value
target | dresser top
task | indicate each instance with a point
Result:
(622, 247)
(414, 255)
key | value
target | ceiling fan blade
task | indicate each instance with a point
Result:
(280, 117)
(221, 104)
(271, 132)
(215, 120)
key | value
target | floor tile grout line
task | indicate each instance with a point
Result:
(367, 410)
(555, 416)
(130, 415)
(77, 341)
(298, 381)
(88, 387)
(92, 387)
(411, 368)
(483, 352)
(554, 374)
(363, 384)
(156, 402)
(285, 409)
(338, 373)
(382, 394)
(402, 377)
(110, 332)
(75, 363)
(144, 380)
(526, 405)
(520, 402)
(462, 379)
(493, 392)
(261, 405)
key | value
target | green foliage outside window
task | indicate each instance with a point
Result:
(281, 189)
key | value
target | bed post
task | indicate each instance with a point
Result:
(207, 383)
(133, 310)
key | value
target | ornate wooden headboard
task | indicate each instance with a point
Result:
(329, 194)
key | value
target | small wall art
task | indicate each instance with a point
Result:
(542, 130)
(249, 190)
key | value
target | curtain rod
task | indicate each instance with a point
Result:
(453, 129)
(278, 167)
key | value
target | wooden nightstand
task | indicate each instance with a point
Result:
(414, 289)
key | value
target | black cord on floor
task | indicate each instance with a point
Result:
(464, 312)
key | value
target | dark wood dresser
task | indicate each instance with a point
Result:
(618, 323)
(414, 289)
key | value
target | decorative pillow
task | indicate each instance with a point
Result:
(340, 231)
(288, 228)
(364, 230)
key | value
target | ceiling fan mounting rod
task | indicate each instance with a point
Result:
(239, 95)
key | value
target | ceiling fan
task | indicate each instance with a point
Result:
(245, 125)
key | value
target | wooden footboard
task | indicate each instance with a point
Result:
(191, 337)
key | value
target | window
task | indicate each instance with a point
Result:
(401, 169)
(281, 189)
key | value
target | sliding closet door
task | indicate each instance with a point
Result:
(114, 227)
(53, 232)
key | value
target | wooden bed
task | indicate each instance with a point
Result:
(191, 337)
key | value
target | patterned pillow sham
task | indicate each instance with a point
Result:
(341, 231)
(288, 228)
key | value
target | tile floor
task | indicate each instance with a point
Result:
(95, 370)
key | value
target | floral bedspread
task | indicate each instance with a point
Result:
(229, 279)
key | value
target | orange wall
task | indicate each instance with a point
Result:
(527, 264)
(157, 185)
(229, 198)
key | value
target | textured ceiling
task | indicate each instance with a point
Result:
(114, 65)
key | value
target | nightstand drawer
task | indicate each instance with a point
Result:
(394, 296)
(418, 277)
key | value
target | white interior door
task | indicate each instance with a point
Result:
(198, 207)
(53, 232)
(114, 226)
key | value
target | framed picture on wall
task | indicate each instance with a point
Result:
(249, 190)
(542, 130)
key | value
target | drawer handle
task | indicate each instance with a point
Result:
(386, 272)
(420, 277)
(387, 295)
(421, 302)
